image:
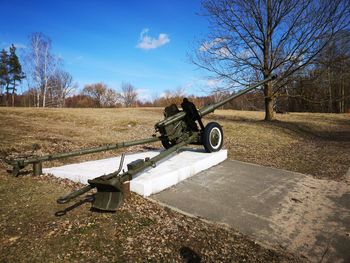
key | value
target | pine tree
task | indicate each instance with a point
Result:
(15, 71)
(4, 73)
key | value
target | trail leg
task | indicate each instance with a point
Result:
(37, 168)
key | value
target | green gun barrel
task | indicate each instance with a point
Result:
(210, 108)
(19, 164)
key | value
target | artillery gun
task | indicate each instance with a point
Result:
(178, 129)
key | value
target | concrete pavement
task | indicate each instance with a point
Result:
(276, 207)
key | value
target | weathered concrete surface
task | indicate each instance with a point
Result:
(277, 207)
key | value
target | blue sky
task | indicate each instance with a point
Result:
(144, 43)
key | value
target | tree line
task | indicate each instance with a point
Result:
(305, 42)
(99, 95)
(48, 83)
(324, 86)
(43, 74)
(11, 75)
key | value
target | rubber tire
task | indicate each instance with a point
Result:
(206, 137)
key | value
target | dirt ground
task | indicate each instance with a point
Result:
(140, 231)
(316, 144)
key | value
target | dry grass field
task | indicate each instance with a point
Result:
(309, 143)
(316, 144)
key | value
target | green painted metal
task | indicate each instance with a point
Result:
(21, 163)
(37, 168)
(211, 108)
(177, 123)
(67, 198)
(109, 194)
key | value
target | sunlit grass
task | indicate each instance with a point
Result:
(317, 144)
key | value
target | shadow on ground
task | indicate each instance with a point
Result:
(303, 129)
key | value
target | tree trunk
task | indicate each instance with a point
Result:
(13, 98)
(330, 103)
(44, 97)
(7, 95)
(13, 93)
(1, 94)
(269, 100)
(38, 99)
(342, 90)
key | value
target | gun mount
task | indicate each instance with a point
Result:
(178, 129)
(179, 123)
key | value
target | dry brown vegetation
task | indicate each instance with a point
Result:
(318, 144)
(309, 143)
(140, 231)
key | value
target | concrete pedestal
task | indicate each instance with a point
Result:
(167, 173)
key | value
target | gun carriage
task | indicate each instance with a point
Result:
(178, 129)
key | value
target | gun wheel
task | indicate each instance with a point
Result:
(213, 137)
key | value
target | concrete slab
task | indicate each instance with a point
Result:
(296, 211)
(174, 170)
(167, 173)
(82, 172)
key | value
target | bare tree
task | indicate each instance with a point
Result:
(96, 92)
(61, 83)
(333, 66)
(252, 39)
(325, 86)
(111, 98)
(172, 96)
(128, 95)
(102, 95)
(41, 64)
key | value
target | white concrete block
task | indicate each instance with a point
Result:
(167, 173)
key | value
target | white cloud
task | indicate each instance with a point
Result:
(147, 42)
(212, 83)
(144, 94)
(217, 47)
(206, 45)
(20, 46)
